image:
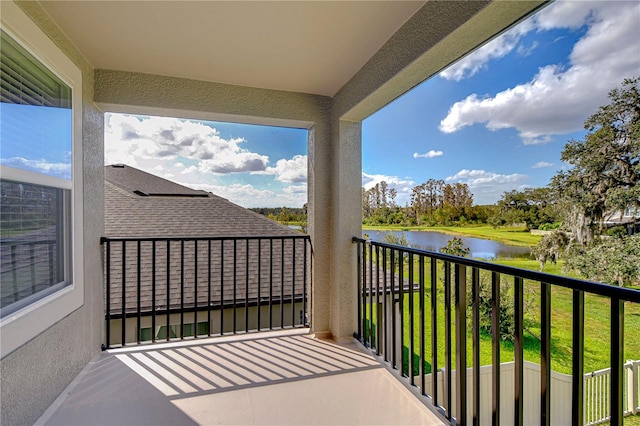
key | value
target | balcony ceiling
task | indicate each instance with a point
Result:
(301, 46)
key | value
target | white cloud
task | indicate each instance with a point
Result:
(431, 154)
(296, 190)
(488, 187)
(248, 196)
(60, 170)
(290, 171)
(527, 50)
(495, 49)
(558, 100)
(542, 164)
(136, 140)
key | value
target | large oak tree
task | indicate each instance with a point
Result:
(605, 175)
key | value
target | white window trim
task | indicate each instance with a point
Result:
(25, 324)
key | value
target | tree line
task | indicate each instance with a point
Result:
(433, 202)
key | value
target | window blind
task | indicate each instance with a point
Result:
(26, 81)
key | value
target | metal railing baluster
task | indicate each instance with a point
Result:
(610, 386)
(518, 343)
(545, 353)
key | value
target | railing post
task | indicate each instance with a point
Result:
(246, 288)
(359, 288)
(385, 303)
(461, 343)
(545, 354)
(153, 291)
(108, 295)
(577, 404)
(370, 298)
(222, 305)
(422, 318)
(124, 294)
(307, 243)
(195, 288)
(401, 307)
(495, 358)
(363, 317)
(518, 300)
(617, 362)
(379, 319)
(447, 336)
(181, 289)
(138, 293)
(475, 294)
(434, 331)
(411, 322)
(393, 310)
(209, 269)
(168, 313)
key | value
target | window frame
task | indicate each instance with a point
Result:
(21, 326)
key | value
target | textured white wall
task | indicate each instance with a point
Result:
(36, 373)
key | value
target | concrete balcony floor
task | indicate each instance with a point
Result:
(284, 377)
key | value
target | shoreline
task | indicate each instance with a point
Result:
(511, 236)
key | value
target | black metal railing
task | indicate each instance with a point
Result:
(159, 289)
(403, 291)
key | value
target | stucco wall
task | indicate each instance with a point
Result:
(35, 374)
(119, 91)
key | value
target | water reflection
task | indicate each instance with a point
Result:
(433, 241)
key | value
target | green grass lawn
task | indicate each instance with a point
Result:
(596, 327)
(518, 236)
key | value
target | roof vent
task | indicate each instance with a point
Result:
(118, 166)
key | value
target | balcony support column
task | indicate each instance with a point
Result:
(346, 221)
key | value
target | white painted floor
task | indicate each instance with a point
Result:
(276, 378)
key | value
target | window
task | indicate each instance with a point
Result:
(35, 129)
(40, 181)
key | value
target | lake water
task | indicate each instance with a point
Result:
(433, 241)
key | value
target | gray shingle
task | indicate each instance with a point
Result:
(188, 213)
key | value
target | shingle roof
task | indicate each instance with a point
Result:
(184, 212)
(172, 210)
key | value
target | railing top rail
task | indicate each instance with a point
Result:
(219, 238)
(621, 293)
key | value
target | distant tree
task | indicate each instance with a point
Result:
(610, 260)
(550, 247)
(455, 247)
(532, 206)
(606, 164)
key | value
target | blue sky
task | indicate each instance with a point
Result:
(496, 120)
(36, 138)
(499, 118)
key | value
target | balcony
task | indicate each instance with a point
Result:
(277, 377)
(245, 355)
(48, 343)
